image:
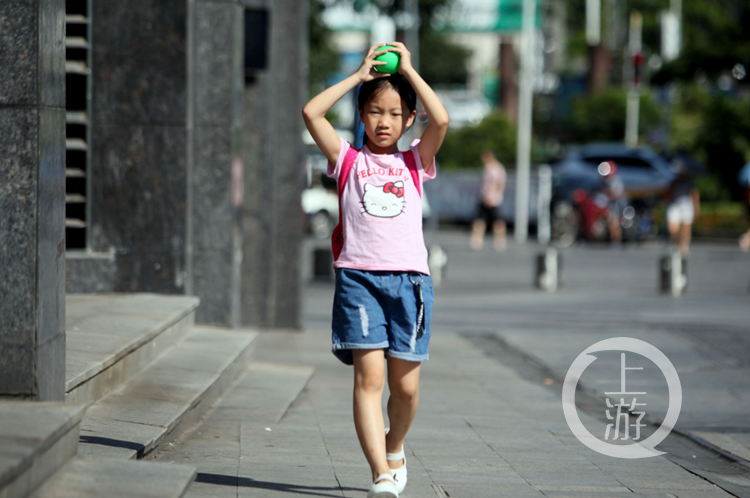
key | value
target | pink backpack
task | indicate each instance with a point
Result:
(337, 238)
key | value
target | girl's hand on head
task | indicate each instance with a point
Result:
(404, 54)
(366, 71)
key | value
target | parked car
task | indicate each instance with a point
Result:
(454, 196)
(644, 173)
(320, 200)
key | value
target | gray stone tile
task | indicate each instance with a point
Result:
(214, 62)
(212, 282)
(19, 139)
(142, 167)
(84, 478)
(50, 369)
(52, 53)
(19, 67)
(139, 78)
(51, 227)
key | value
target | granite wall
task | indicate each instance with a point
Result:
(166, 153)
(191, 194)
(272, 219)
(32, 199)
(215, 114)
(139, 142)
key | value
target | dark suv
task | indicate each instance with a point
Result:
(644, 173)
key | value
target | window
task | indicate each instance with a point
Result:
(77, 120)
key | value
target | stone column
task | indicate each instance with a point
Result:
(214, 161)
(139, 142)
(32, 199)
(274, 170)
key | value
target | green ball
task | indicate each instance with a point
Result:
(392, 60)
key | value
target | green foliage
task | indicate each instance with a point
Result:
(440, 61)
(715, 38)
(601, 118)
(715, 129)
(712, 188)
(723, 139)
(461, 148)
(323, 59)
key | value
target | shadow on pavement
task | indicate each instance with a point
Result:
(222, 480)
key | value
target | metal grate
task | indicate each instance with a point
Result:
(77, 119)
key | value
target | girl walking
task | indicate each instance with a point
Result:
(384, 296)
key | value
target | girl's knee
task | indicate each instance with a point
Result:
(369, 381)
(403, 391)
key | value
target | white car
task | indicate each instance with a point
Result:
(322, 208)
(320, 200)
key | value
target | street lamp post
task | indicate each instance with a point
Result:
(634, 96)
(523, 146)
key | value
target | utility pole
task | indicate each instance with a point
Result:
(671, 31)
(634, 96)
(523, 146)
(599, 60)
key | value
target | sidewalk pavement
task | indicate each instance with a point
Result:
(485, 428)
(481, 431)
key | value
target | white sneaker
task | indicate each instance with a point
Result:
(383, 487)
(399, 474)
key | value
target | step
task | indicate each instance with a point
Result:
(111, 337)
(258, 400)
(36, 439)
(271, 388)
(87, 477)
(168, 397)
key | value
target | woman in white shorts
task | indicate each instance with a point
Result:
(682, 208)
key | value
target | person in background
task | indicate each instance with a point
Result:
(683, 206)
(493, 186)
(614, 189)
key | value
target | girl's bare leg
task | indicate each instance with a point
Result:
(685, 232)
(403, 382)
(674, 232)
(498, 232)
(476, 240)
(369, 379)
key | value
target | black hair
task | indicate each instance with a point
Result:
(396, 82)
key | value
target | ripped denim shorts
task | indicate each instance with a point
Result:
(382, 310)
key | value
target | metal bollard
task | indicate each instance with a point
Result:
(437, 260)
(322, 263)
(673, 274)
(548, 270)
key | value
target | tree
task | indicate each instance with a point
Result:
(715, 38)
(440, 61)
(323, 59)
(602, 118)
(461, 148)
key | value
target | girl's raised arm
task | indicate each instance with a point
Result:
(433, 136)
(315, 111)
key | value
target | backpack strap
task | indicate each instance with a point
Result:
(411, 164)
(337, 237)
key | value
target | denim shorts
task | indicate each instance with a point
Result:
(379, 310)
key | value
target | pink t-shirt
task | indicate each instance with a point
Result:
(382, 212)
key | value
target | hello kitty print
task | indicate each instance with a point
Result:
(386, 201)
(381, 211)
